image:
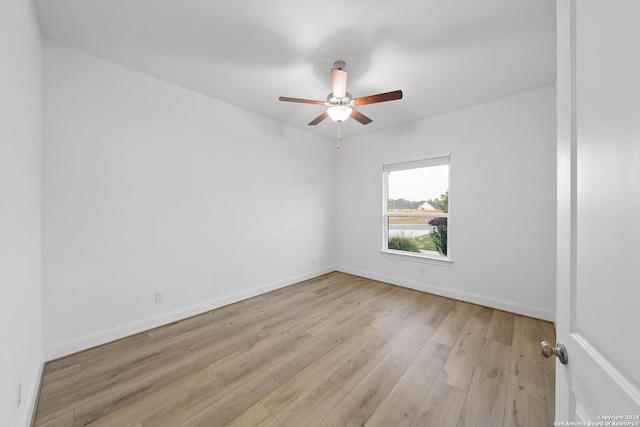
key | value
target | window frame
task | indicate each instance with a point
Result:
(442, 158)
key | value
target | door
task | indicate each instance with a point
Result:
(598, 270)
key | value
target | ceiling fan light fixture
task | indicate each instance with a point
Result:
(339, 113)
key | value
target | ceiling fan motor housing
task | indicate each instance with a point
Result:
(333, 100)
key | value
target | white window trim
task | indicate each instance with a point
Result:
(411, 163)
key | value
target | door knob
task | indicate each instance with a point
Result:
(560, 350)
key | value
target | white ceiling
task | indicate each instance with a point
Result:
(443, 54)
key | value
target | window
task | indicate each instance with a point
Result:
(416, 207)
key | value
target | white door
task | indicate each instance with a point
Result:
(598, 312)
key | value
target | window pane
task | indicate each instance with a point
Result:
(423, 189)
(418, 234)
(417, 206)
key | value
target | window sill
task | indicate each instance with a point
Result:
(417, 258)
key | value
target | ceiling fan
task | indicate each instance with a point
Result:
(340, 102)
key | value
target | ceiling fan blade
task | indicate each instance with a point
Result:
(339, 82)
(318, 119)
(303, 101)
(381, 97)
(357, 115)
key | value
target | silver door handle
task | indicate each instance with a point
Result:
(560, 350)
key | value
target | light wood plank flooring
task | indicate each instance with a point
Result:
(338, 350)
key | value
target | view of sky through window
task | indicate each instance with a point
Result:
(419, 184)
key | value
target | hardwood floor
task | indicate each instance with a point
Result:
(337, 350)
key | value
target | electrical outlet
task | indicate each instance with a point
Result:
(19, 395)
(423, 271)
(160, 296)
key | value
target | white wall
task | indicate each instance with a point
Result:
(502, 203)
(149, 186)
(20, 141)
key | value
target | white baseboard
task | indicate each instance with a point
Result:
(76, 345)
(499, 304)
(73, 346)
(32, 399)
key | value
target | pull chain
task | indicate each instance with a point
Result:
(339, 137)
